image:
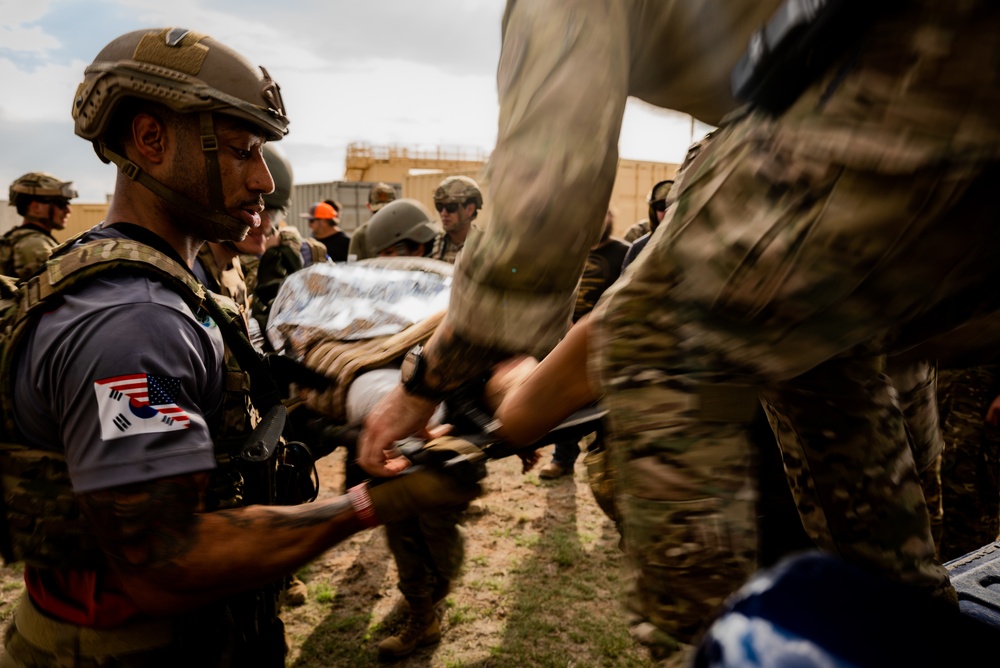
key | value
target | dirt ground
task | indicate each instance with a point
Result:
(542, 584)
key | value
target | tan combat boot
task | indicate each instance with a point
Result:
(421, 629)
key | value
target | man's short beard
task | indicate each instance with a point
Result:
(193, 184)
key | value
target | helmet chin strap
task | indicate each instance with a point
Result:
(210, 147)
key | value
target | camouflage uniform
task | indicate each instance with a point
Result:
(249, 263)
(429, 549)
(800, 249)
(970, 466)
(640, 229)
(445, 249)
(28, 247)
(228, 281)
(24, 249)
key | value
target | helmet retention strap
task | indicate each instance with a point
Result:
(134, 172)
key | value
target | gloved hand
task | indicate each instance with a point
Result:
(418, 491)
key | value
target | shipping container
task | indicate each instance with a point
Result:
(352, 195)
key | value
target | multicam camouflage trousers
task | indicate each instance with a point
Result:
(802, 248)
(429, 551)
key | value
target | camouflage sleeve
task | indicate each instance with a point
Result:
(359, 243)
(30, 253)
(562, 81)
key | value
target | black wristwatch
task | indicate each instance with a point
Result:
(413, 371)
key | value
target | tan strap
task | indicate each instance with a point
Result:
(342, 361)
(94, 257)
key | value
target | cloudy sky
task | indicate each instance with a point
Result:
(418, 73)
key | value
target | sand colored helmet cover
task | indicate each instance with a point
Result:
(659, 191)
(184, 70)
(458, 189)
(39, 184)
(380, 195)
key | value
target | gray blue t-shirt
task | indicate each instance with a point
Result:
(122, 377)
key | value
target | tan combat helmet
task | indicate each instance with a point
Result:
(459, 189)
(189, 73)
(401, 220)
(380, 195)
(38, 186)
(281, 172)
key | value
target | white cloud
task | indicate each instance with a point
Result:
(27, 40)
(16, 12)
(44, 93)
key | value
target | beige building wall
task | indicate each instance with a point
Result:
(84, 217)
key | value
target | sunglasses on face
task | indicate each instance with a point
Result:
(57, 201)
(450, 207)
(660, 205)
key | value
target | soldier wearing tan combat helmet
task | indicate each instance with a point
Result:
(458, 201)
(43, 201)
(379, 195)
(142, 542)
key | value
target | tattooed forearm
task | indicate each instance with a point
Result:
(277, 518)
(148, 524)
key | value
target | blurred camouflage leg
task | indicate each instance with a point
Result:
(851, 469)
(916, 385)
(686, 508)
(930, 481)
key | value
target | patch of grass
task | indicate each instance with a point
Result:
(11, 586)
(573, 616)
(324, 593)
(566, 548)
(460, 614)
(526, 540)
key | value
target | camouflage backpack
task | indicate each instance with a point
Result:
(40, 520)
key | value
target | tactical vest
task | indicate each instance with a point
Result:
(8, 242)
(42, 521)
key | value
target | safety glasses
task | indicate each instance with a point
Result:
(450, 207)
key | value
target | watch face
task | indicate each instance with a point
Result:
(409, 366)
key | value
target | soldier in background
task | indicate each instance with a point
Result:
(428, 549)
(458, 201)
(273, 216)
(285, 250)
(43, 201)
(656, 202)
(659, 201)
(403, 228)
(379, 195)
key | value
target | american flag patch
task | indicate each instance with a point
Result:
(139, 403)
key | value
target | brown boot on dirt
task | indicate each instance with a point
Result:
(440, 592)
(421, 629)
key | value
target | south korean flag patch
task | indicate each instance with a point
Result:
(139, 403)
